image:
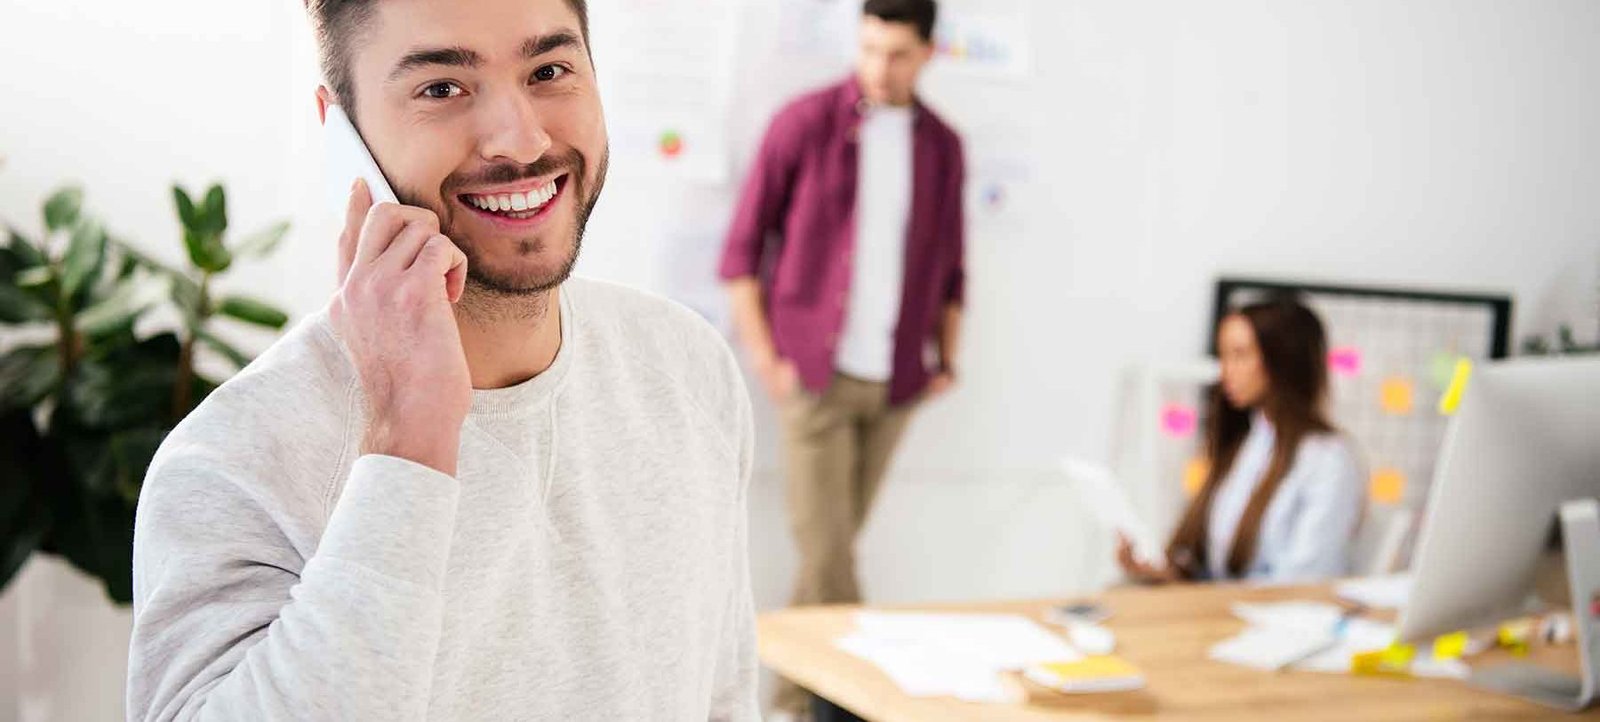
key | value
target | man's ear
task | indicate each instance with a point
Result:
(324, 99)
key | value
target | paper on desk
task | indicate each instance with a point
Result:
(1317, 616)
(1390, 591)
(1108, 499)
(998, 641)
(1285, 631)
(955, 655)
(1267, 648)
(921, 670)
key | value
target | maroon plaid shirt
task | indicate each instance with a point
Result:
(795, 230)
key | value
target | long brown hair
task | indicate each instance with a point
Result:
(1294, 354)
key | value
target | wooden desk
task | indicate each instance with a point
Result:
(1166, 632)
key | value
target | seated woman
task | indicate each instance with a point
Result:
(1285, 492)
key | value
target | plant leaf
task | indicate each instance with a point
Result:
(239, 358)
(24, 516)
(62, 208)
(186, 209)
(131, 452)
(16, 306)
(253, 311)
(206, 251)
(27, 254)
(36, 277)
(215, 214)
(27, 374)
(86, 252)
(131, 297)
(261, 242)
(123, 389)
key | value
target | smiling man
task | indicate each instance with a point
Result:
(474, 487)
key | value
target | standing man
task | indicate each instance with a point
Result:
(474, 488)
(844, 264)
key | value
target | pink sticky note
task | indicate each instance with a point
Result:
(1178, 420)
(1345, 361)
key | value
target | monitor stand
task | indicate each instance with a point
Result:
(1580, 530)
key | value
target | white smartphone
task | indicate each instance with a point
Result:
(345, 159)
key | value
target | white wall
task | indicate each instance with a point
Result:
(1444, 143)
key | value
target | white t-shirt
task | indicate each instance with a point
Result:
(877, 268)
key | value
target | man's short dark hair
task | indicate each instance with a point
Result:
(337, 24)
(918, 13)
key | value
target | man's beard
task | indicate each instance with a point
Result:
(485, 287)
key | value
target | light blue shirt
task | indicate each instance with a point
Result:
(1310, 525)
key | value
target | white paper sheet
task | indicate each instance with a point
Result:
(1109, 501)
(953, 655)
(1385, 592)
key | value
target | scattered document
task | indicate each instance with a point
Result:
(953, 655)
(1312, 636)
(1390, 591)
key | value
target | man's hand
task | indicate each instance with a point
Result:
(940, 385)
(399, 277)
(779, 376)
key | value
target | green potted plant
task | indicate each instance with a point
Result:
(87, 389)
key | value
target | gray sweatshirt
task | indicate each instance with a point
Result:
(588, 561)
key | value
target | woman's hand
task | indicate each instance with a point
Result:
(1138, 570)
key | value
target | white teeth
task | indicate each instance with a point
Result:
(516, 202)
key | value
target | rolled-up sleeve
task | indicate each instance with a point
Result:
(764, 199)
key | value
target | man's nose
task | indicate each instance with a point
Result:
(513, 130)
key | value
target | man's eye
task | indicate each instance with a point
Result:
(549, 73)
(442, 90)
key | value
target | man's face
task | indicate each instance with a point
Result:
(892, 56)
(488, 114)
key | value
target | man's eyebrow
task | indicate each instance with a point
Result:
(422, 57)
(540, 44)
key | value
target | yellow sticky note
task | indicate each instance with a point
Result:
(1397, 396)
(1091, 668)
(1450, 646)
(1514, 636)
(1396, 659)
(1194, 475)
(1451, 400)
(1387, 486)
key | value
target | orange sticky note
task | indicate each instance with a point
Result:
(1194, 475)
(1387, 486)
(1398, 396)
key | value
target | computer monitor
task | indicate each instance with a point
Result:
(1525, 441)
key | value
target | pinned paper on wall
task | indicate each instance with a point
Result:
(1398, 396)
(993, 43)
(1345, 361)
(1387, 486)
(1178, 421)
(1451, 400)
(669, 118)
(1194, 475)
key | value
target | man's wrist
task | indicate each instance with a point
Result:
(430, 441)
